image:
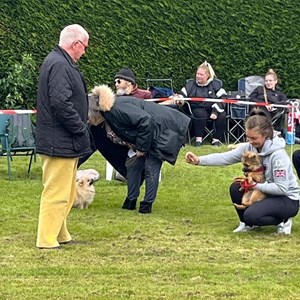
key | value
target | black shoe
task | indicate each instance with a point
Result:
(145, 207)
(129, 204)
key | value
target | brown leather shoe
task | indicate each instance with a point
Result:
(72, 242)
(51, 248)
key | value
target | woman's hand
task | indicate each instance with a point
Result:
(139, 153)
(192, 158)
(178, 99)
(213, 116)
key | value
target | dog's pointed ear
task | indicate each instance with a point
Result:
(252, 155)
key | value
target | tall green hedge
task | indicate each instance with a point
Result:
(160, 38)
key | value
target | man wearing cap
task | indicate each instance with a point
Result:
(125, 83)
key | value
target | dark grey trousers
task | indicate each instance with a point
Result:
(136, 168)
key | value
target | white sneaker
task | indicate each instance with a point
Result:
(242, 228)
(285, 228)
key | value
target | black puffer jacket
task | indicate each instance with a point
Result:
(273, 96)
(213, 89)
(62, 108)
(151, 127)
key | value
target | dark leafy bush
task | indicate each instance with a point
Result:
(18, 84)
(160, 38)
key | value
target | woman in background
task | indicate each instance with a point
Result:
(270, 94)
(204, 85)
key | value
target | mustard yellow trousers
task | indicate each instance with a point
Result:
(59, 181)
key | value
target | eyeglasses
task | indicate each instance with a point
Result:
(117, 81)
(85, 47)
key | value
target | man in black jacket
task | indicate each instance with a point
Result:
(153, 133)
(61, 133)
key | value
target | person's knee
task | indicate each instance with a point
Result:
(200, 113)
(296, 157)
(251, 218)
(234, 187)
(222, 116)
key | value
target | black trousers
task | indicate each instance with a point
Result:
(296, 161)
(114, 153)
(270, 211)
(199, 121)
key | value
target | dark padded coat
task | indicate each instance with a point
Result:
(149, 126)
(62, 108)
(273, 96)
(210, 90)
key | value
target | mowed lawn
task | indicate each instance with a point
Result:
(185, 249)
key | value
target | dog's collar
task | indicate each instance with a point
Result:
(260, 169)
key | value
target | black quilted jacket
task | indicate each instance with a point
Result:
(62, 108)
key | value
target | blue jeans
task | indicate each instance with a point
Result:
(136, 167)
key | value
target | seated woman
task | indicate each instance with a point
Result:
(205, 86)
(270, 95)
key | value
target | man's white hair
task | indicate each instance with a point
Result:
(72, 33)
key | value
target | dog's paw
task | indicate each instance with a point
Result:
(240, 206)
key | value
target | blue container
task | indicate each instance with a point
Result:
(290, 138)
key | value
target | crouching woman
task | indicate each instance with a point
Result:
(281, 187)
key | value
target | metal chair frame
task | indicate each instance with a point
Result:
(10, 152)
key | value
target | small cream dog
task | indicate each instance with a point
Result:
(85, 192)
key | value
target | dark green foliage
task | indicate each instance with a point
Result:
(161, 38)
(18, 85)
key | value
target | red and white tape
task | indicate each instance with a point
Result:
(294, 102)
(16, 111)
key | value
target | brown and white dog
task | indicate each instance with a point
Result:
(254, 172)
(85, 192)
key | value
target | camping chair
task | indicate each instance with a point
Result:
(210, 125)
(237, 113)
(17, 139)
(248, 84)
(164, 90)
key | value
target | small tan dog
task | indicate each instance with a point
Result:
(85, 192)
(254, 172)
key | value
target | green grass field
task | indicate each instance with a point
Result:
(185, 249)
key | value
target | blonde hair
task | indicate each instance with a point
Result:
(105, 95)
(272, 73)
(208, 69)
(71, 33)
